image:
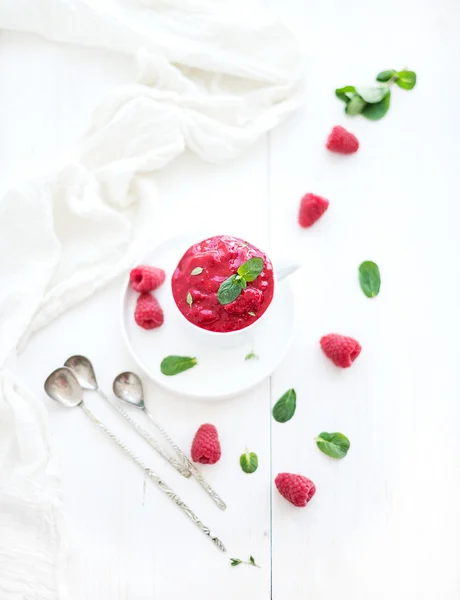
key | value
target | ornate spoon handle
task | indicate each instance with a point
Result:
(148, 438)
(154, 477)
(189, 465)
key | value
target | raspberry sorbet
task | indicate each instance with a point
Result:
(202, 270)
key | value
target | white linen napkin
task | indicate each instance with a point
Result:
(209, 80)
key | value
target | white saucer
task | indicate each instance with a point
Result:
(220, 373)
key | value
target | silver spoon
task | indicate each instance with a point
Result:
(86, 377)
(63, 386)
(128, 387)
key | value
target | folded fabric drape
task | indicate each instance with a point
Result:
(208, 80)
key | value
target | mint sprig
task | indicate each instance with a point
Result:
(234, 562)
(373, 102)
(232, 287)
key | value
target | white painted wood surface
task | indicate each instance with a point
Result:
(385, 521)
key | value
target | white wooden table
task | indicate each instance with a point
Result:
(385, 521)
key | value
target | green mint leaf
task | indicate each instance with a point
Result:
(197, 271)
(189, 299)
(369, 278)
(374, 112)
(372, 95)
(230, 289)
(252, 560)
(235, 562)
(250, 355)
(249, 462)
(284, 409)
(335, 445)
(251, 314)
(251, 269)
(172, 365)
(385, 76)
(406, 80)
(355, 106)
(346, 93)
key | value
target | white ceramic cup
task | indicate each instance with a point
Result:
(230, 339)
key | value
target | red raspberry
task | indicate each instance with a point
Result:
(342, 141)
(206, 445)
(297, 489)
(250, 299)
(148, 313)
(146, 279)
(342, 350)
(311, 209)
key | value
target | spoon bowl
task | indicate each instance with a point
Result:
(63, 387)
(83, 370)
(128, 387)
